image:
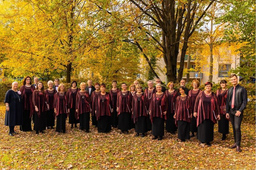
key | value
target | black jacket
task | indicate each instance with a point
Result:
(87, 89)
(240, 98)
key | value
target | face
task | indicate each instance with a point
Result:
(208, 88)
(50, 85)
(56, 82)
(35, 80)
(195, 85)
(234, 80)
(74, 85)
(124, 86)
(182, 92)
(132, 88)
(28, 80)
(114, 84)
(150, 84)
(158, 88)
(89, 83)
(15, 86)
(97, 87)
(182, 83)
(102, 89)
(223, 85)
(136, 83)
(40, 86)
(82, 86)
(139, 90)
(158, 81)
(171, 86)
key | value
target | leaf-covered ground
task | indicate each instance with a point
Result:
(80, 150)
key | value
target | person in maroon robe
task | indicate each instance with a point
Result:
(157, 111)
(182, 114)
(61, 108)
(206, 111)
(132, 89)
(28, 109)
(124, 99)
(171, 95)
(113, 93)
(139, 112)
(148, 93)
(193, 94)
(71, 95)
(83, 108)
(94, 99)
(50, 116)
(104, 109)
(223, 123)
(41, 107)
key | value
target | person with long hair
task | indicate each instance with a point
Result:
(113, 93)
(50, 116)
(41, 107)
(71, 94)
(28, 109)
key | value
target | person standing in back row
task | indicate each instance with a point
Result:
(90, 88)
(235, 105)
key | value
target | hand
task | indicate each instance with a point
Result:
(117, 109)
(48, 107)
(36, 108)
(68, 110)
(149, 112)
(95, 111)
(227, 115)
(76, 110)
(165, 113)
(174, 116)
(238, 113)
(7, 108)
(195, 114)
(112, 110)
(218, 117)
(55, 111)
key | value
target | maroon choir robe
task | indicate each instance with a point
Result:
(206, 111)
(72, 98)
(27, 100)
(39, 100)
(222, 97)
(148, 96)
(50, 98)
(80, 99)
(124, 102)
(138, 107)
(61, 107)
(94, 100)
(182, 109)
(158, 106)
(104, 105)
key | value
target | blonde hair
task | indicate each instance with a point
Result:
(132, 85)
(159, 85)
(196, 81)
(50, 81)
(171, 82)
(61, 84)
(138, 86)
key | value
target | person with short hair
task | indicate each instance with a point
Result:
(71, 95)
(94, 100)
(50, 116)
(83, 108)
(90, 88)
(183, 84)
(158, 81)
(13, 104)
(56, 84)
(36, 80)
(113, 93)
(235, 105)
(206, 111)
(148, 93)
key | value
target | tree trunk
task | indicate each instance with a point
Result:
(69, 67)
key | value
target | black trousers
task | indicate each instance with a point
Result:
(11, 129)
(236, 124)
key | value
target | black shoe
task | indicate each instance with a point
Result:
(208, 144)
(87, 131)
(142, 135)
(137, 134)
(71, 126)
(75, 126)
(233, 146)
(224, 137)
(42, 131)
(51, 127)
(160, 137)
(238, 149)
(10, 134)
(37, 132)
(154, 138)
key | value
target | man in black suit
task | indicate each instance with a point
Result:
(235, 105)
(90, 88)
(36, 80)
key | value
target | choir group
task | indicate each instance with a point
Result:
(151, 109)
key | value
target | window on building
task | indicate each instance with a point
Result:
(224, 69)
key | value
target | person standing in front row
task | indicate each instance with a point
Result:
(13, 103)
(236, 103)
(157, 112)
(124, 99)
(50, 116)
(223, 123)
(61, 108)
(113, 93)
(83, 108)
(206, 111)
(71, 95)
(148, 93)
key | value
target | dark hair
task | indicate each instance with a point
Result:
(42, 89)
(73, 82)
(233, 75)
(24, 80)
(114, 81)
(208, 83)
(57, 79)
(182, 87)
(124, 83)
(103, 85)
(223, 82)
(97, 84)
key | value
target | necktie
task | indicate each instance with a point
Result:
(233, 98)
